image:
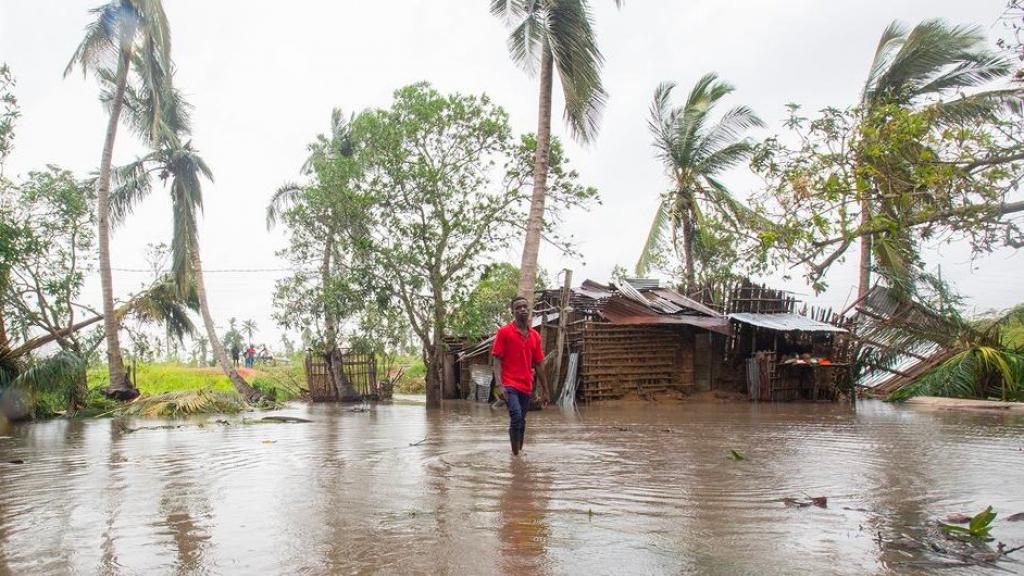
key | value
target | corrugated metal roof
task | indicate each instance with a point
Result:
(621, 310)
(643, 283)
(685, 301)
(784, 322)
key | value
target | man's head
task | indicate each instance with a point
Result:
(520, 309)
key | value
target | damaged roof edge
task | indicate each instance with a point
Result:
(786, 322)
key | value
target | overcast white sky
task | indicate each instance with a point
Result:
(263, 78)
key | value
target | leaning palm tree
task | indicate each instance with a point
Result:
(125, 31)
(184, 168)
(558, 35)
(695, 150)
(918, 71)
(180, 164)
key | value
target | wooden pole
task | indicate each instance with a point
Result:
(563, 314)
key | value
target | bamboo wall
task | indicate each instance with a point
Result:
(635, 360)
(361, 370)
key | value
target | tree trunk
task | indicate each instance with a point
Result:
(244, 388)
(119, 384)
(340, 383)
(434, 375)
(864, 283)
(535, 223)
(689, 273)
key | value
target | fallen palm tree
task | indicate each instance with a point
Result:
(911, 345)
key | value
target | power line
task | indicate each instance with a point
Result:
(222, 270)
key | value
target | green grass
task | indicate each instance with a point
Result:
(167, 377)
(282, 382)
(414, 379)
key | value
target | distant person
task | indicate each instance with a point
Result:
(236, 350)
(250, 355)
(517, 354)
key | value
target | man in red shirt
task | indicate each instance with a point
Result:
(517, 353)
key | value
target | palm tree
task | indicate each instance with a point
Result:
(332, 217)
(695, 150)
(182, 165)
(557, 34)
(249, 327)
(914, 71)
(125, 31)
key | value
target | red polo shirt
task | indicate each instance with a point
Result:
(518, 354)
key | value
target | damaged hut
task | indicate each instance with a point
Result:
(630, 339)
(784, 355)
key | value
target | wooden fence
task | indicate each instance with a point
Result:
(360, 369)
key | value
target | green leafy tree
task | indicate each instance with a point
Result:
(698, 218)
(916, 160)
(321, 217)
(556, 35)
(444, 183)
(486, 307)
(128, 37)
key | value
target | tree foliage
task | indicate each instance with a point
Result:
(930, 181)
(698, 222)
(403, 207)
(926, 155)
(447, 186)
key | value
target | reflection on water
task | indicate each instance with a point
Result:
(624, 489)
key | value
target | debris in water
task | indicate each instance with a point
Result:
(268, 441)
(15, 461)
(1018, 517)
(819, 501)
(285, 419)
(958, 518)
(736, 455)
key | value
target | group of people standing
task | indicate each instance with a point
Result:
(250, 354)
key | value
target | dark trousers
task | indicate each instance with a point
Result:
(518, 405)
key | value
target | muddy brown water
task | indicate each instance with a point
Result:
(625, 489)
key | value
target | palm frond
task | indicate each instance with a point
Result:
(131, 184)
(527, 40)
(99, 48)
(986, 105)
(285, 196)
(184, 403)
(167, 303)
(570, 36)
(655, 240)
(890, 42)
(933, 59)
(57, 373)
(661, 122)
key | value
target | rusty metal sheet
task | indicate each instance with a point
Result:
(619, 310)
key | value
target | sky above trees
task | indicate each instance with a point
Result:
(265, 78)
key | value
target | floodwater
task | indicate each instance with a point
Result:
(620, 489)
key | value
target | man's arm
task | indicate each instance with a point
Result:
(496, 366)
(542, 375)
